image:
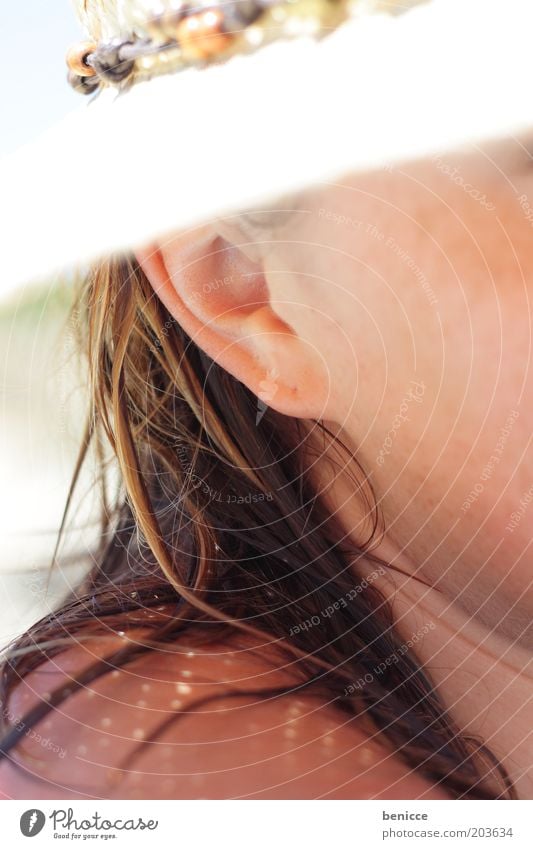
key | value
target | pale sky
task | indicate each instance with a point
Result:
(34, 93)
(35, 455)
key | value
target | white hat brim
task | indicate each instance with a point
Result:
(180, 149)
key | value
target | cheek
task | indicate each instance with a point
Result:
(415, 278)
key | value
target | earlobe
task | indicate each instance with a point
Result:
(221, 300)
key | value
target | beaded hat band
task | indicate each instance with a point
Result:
(180, 34)
(235, 131)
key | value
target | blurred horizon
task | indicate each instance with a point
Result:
(43, 409)
(42, 392)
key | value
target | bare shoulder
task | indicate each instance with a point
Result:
(190, 723)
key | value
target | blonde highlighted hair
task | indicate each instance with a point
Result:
(218, 517)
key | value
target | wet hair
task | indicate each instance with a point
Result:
(217, 516)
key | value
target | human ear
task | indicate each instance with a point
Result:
(217, 290)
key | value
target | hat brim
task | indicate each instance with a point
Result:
(180, 149)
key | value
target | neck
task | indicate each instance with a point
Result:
(478, 658)
(484, 678)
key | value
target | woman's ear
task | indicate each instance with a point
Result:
(219, 295)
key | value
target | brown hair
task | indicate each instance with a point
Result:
(217, 515)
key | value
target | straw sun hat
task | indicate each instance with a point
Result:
(200, 109)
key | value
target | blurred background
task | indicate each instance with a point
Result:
(34, 37)
(42, 401)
